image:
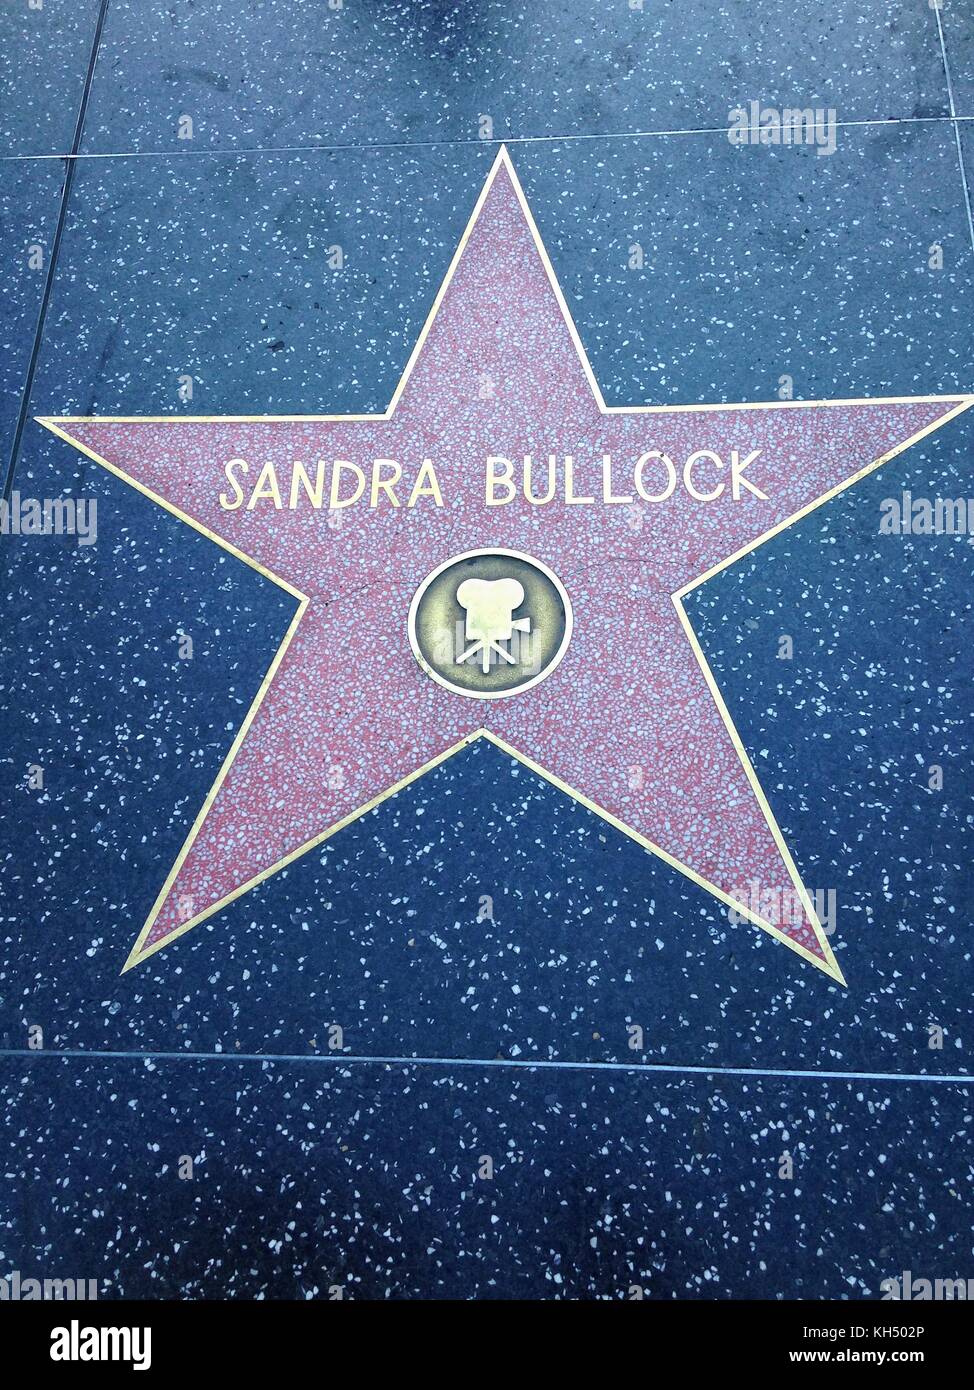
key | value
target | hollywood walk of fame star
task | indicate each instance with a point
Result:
(346, 715)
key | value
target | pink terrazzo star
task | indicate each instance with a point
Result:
(630, 721)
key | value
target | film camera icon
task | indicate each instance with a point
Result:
(490, 622)
(466, 630)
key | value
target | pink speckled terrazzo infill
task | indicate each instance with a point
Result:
(499, 373)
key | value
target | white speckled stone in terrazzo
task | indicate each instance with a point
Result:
(291, 72)
(45, 50)
(29, 195)
(309, 1177)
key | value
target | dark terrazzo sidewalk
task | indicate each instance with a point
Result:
(208, 258)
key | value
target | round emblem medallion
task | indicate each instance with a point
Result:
(490, 623)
